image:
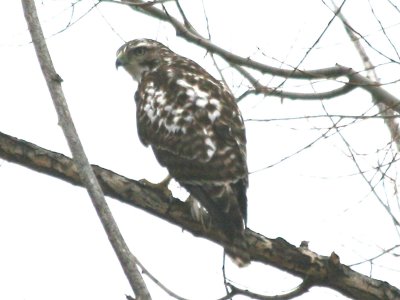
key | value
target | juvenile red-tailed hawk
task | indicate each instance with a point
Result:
(194, 127)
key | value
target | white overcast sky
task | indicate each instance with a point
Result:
(52, 244)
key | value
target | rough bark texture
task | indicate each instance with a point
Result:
(326, 271)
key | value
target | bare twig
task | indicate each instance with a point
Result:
(137, 3)
(188, 25)
(260, 89)
(307, 146)
(298, 291)
(225, 280)
(159, 283)
(361, 172)
(210, 53)
(81, 162)
(376, 256)
(362, 117)
(320, 36)
(383, 29)
(72, 22)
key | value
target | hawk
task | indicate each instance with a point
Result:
(194, 126)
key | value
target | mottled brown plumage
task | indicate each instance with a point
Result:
(193, 124)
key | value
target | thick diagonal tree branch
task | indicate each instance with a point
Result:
(354, 78)
(317, 270)
(80, 161)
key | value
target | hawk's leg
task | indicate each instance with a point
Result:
(198, 212)
(161, 186)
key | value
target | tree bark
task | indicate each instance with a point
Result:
(317, 270)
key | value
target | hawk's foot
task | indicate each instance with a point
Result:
(161, 186)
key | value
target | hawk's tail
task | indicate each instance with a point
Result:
(226, 205)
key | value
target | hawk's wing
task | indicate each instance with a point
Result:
(196, 130)
(193, 125)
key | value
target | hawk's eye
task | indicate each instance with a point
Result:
(139, 51)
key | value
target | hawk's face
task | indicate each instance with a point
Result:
(140, 56)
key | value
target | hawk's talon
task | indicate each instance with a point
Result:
(161, 186)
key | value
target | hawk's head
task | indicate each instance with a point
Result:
(141, 55)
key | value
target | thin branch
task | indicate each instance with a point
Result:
(383, 29)
(369, 183)
(298, 291)
(320, 36)
(362, 117)
(221, 75)
(72, 22)
(109, 24)
(81, 162)
(361, 172)
(307, 146)
(188, 25)
(394, 6)
(260, 89)
(225, 280)
(159, 283)
(376, 256)
(137, 3)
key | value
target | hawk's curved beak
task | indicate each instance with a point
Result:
(118, 63)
